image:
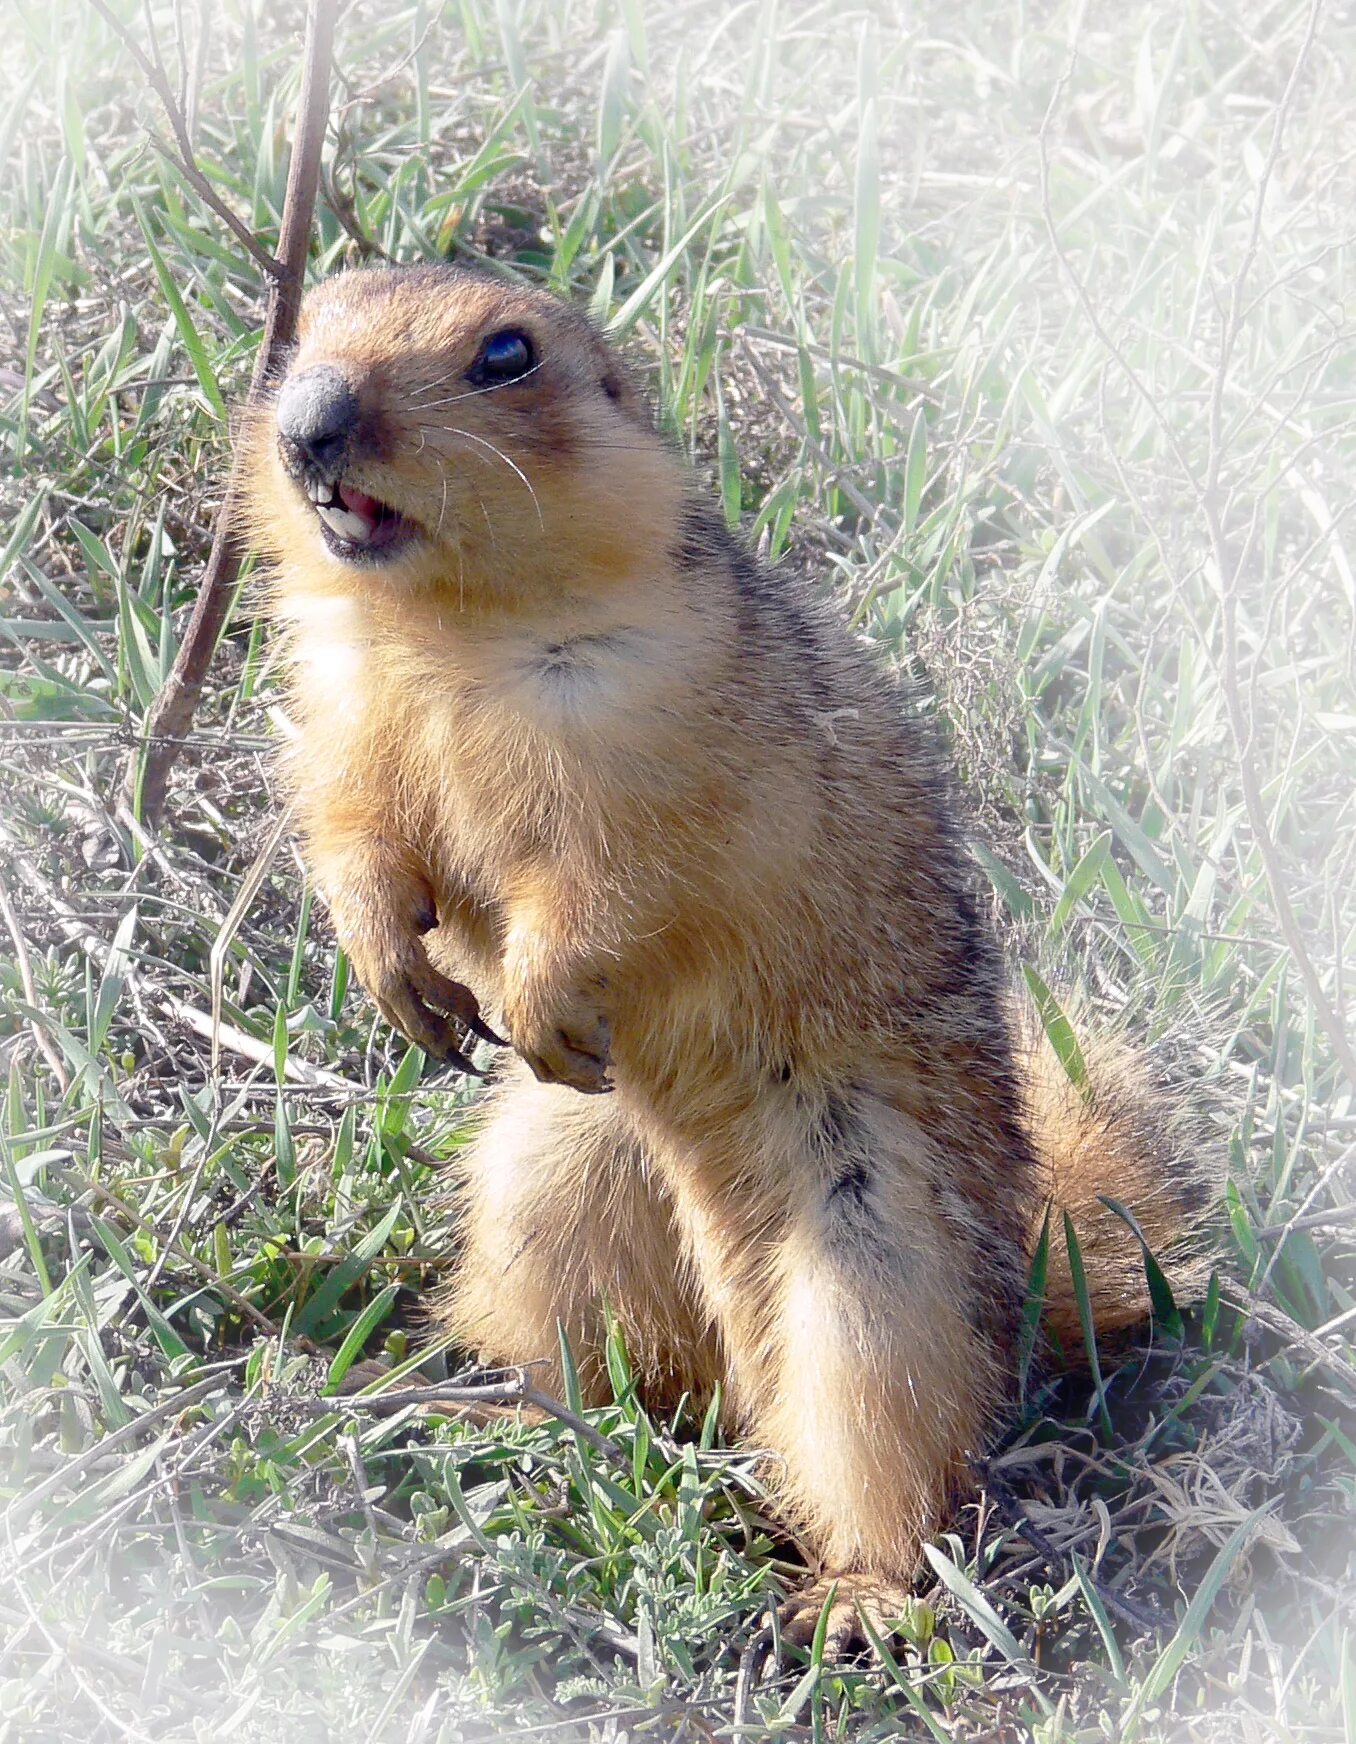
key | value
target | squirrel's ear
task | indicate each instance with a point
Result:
(616, 383)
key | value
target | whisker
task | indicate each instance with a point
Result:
(513, 467)
(489, 524)
(433, 383)
(424, 405)
(592, 442)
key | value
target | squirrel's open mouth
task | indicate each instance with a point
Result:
(356, 526)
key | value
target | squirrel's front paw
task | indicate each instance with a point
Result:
(427, 1008)
(567, 1041)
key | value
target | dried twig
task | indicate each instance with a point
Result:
(1337, 1218)
(182, 154)
(517, 1390)
(344, 207)
(1333, 1360)
(1009, 1508)
(172, 713)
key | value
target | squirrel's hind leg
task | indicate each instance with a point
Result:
(856, 1300)
(560, 1216)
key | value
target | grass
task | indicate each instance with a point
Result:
(968, 310)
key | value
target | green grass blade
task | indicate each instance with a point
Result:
(1033, 1307)
(1166, 1667)
(358, 1334)
(1167, 1316)
(341, 1277)
(1058, 1029)
(189, 336)
(1087, 1321)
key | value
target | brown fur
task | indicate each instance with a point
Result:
(682, 835)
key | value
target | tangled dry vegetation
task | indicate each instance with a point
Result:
(1022, 329)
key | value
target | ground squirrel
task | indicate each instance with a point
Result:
(562, 741)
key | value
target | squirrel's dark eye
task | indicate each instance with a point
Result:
(504, 357)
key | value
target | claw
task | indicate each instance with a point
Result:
(438, 1039)
(437, 1013)
(455, 1057)
(459, 1002)
(479, 1027)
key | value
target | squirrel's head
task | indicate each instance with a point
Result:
(439, 426)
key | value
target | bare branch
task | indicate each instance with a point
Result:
(512, 1393)
(183, 156)
(172, 713)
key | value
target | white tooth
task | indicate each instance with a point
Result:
(345, 524)
(314, 489)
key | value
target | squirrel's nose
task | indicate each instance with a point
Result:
(316, 414)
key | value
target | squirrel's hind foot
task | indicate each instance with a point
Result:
(854, 1600)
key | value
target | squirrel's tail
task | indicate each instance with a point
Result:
(1121, 1134)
